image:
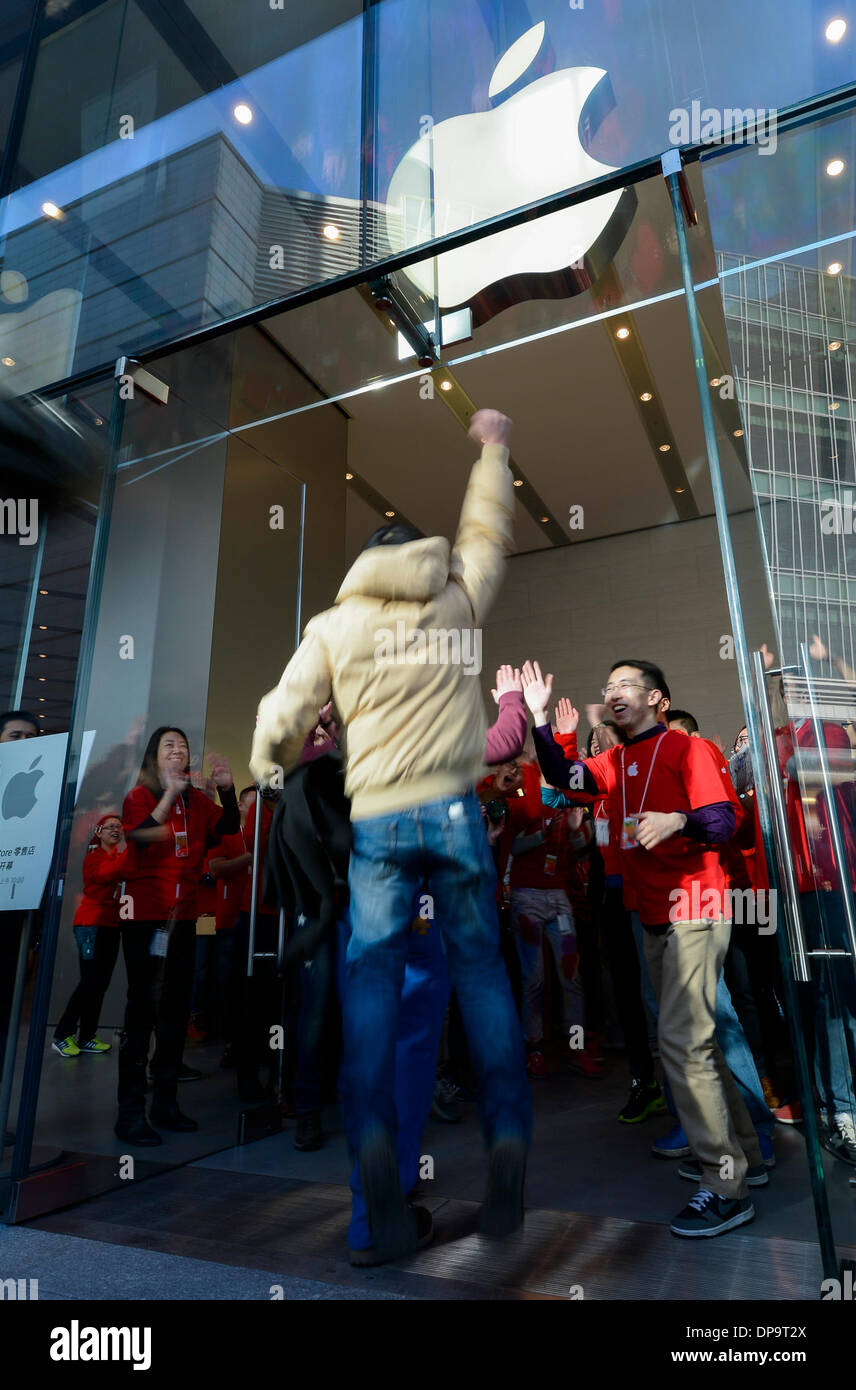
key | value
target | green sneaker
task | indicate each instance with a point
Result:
(644, 1100)
(66, 1047)
(94, 1045)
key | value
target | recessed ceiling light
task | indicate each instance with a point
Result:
(42, 627)
(42, 591)
(835, 167)
(834, 405)
(834, 345)
(835, 30)
(680, 489)
(738, 434)
(834, 268)
(518, 482)
(622, 333)
(331, 232)
(43, 678)
(716, 381)
(41, 699)
(664, 448)
(51, 210)
(445, 385)
(646, 396)
(98, 420)
(43, 656)
(243, 113)
(348, 477)
(41, 716)
(389, 513)
(545, 518)
(8, 361)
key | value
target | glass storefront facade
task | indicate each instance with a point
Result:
(272, 218)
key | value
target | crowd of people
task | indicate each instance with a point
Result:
(471, 909)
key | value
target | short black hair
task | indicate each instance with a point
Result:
(243, 792)
(652, 674)
(682, 716)
(22, 714)
(398, 533)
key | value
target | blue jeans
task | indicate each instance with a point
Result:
(732, 1042)
(834, 991)
(439, 848)
(424, 1000)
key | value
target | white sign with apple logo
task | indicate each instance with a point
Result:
(30, 790)
(476, 166)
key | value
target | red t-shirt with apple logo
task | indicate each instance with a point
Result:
(164, 881)
(665, 771)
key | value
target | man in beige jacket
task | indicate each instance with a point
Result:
(400, 653)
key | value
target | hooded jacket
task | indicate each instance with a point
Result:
(414, 718)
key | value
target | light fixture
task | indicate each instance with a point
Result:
(545, 518)
(41, 699)
(664, 448)
(622, 333)
(646, 396)
(8, 361)
(716, 381)
(42, 679)
(835, 30)
(738, 434)
(348, 477)
(243, 113)
(834, 268)
(51, 210)
(518, 482)
(42, 591)
(834, 345)
(98, 420)
(389, 513)
(834, 405)
(42, 627)
(445, 385)
(835, 167)
(43, 656)
(41, 716)
(680, 489)
(331, 232)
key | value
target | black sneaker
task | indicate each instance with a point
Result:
(309, 1134)
(755, 1177)
(840, 1138)
(443, 1105)
(707, 1214)
(645, 1099)
(137, 1131)
(424, 1222)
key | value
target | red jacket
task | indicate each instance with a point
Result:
(163, 880)
(103, 872)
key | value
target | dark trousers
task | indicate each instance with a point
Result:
(626, 983)
(11, 926)
(750, 969)
(159, 990)
(257, 1006)
(95, 976)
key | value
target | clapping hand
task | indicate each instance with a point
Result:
(507, 678)
(537, 690)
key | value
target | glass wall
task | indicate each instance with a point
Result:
(178, 165)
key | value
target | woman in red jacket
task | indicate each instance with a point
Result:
(96, 933)
(170, 826)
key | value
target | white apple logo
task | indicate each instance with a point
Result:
(488, 162)
(19, 798)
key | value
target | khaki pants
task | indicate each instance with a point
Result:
(685, 964)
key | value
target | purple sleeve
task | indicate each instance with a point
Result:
(711, 825)
(555, 765)
(505, 738)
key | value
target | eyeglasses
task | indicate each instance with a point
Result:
(622, 687)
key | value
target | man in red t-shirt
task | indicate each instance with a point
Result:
(669, 812)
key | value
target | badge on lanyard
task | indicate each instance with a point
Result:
(182, 849)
